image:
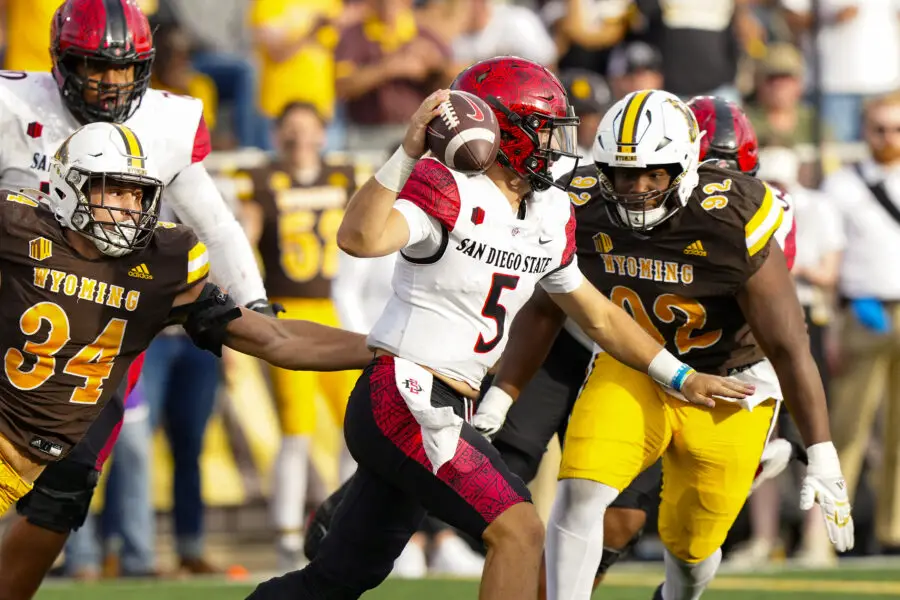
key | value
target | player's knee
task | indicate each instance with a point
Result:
(61, 497)
(519, 462)
(691, 551)
(518, 529)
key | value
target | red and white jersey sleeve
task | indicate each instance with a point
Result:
(785, 235)
(471, 264)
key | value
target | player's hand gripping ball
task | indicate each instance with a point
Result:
(465, 136)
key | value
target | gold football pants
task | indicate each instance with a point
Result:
(623, 422)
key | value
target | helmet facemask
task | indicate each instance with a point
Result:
(544, 138)
(629, 210)
(117, 102)
(117, 231)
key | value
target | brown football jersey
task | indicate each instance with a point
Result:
(298, 244)
(679, 280)
(72, 326)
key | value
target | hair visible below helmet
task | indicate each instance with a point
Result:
(537, 125)
(647, 129)
(104, 154)
(101, 33)
(730, 138)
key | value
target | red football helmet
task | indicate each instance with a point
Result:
(730, 138)
(537, 125)
(100, 34)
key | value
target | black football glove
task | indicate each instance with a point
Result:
(263, 307)
(206, 318)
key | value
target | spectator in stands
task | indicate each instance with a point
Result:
(590, 98)
(293, 205)
(496, 29)
(699, 43)
(385, 67)
(867, 197)
(859, 53)
(295, 42)
(173, 71)
(585, 30)
(779, 115)
(635, 66)
(220, 42)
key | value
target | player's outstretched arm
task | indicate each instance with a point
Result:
(769, 303)
(211, 318)
(621, 336)
(295, 344)
(531, 336)
(371, 227)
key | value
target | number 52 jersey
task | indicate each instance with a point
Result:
(471, 264)
(72, 325)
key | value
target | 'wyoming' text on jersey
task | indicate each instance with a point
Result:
(653, 269)
(503, 259)
(88, 289)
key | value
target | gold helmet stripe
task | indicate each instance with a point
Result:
(629, 124)
(133, 145)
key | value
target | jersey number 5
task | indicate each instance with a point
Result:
(494, 310)
(93, 362)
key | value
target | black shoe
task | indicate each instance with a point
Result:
(657, 595)
(319, 521)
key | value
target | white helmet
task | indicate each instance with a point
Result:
(100, 154)
(648, 128)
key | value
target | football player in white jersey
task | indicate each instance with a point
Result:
(102, 52)
(472, 249)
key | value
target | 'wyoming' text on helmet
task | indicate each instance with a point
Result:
(647, 129)
(90, 37)
(107, 157)
(537, 125)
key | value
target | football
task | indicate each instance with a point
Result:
(465, 136)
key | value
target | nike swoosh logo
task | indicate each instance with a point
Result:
(543, 241)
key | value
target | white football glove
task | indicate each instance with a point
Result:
(491, 413)
(824, 484)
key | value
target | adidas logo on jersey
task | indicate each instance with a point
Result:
(142, 272)
(695, 248)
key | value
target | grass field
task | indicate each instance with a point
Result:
(852, 582)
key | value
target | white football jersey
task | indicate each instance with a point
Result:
(453, 303)
(35, 121)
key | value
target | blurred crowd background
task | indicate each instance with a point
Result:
(294, 89)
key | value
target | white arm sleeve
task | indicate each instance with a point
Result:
(196, 201)
(425, 232)
(347, 291)
(563, 280)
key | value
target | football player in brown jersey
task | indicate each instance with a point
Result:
(89, 278)
(689, 251)
(292, 209)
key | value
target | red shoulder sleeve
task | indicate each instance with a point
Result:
(202, 144)
(432, 188)
(790, 245)
(569, 251)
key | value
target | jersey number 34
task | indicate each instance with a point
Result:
(93, 362)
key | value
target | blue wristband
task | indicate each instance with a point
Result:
(680, 375)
